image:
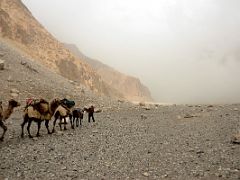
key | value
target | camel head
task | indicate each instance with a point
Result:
(13, 103)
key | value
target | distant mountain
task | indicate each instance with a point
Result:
(19, 28)
(131, 87)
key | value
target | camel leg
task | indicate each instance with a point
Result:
(39, 126)
(60, 123)
(25, 120)
(80, 121)
(77, 121)
(47, 126)
(54, 123)
(71, 121)
(4, 127)
(74, 121)
(28, 127)
(65, 123)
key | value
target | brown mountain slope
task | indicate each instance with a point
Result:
(20, 28)
(130, 87)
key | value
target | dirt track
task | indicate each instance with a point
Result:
(130, 143)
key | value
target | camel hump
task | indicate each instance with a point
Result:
(43, 101)
(40, 105)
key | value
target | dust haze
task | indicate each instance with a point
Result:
(185, 51)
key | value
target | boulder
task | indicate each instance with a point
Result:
(14, 91)
(235, 139)
(147, 108)
(142, 104)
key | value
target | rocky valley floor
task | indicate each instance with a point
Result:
(171, 142)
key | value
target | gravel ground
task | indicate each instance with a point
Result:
(164, 142)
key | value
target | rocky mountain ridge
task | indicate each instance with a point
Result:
(131, 87)
(20, 29)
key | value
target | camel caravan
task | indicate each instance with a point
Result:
(39, 110)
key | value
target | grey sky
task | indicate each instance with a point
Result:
(185, 51)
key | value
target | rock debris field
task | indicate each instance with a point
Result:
(163, 142)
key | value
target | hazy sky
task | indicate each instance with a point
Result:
(185, 51)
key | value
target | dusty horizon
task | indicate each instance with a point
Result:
(183, 51)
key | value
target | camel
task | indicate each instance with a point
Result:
(39, 112)
(62, 112)
(77, 114)
(5, 114)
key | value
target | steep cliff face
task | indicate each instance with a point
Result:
(20, 28)
(131, 87)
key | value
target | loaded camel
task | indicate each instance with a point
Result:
(38, 111)
(5, 114)
(62, 112)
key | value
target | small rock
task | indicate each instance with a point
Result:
(235, 139)
(143, 116)
(165, 176)
(35, 138)
(149, 152)
(95, 131)
(59, 133)
(146, 174)
(142, 104)
(200, 152)
(14, 95)
(179, 117)
(72, 82)
(14, 91)
(120, 101)
(9, 79)
(23, 63)
(51, 149)
(64, 168)
(188, 116)
(235, 109)
(147, 108)
(19, 174)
